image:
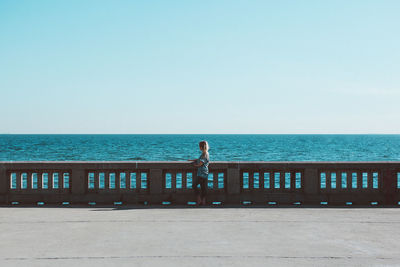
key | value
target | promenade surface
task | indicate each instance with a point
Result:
(72, 236)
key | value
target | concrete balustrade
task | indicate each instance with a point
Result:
(230, 183)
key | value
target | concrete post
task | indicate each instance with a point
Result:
(311, 181)
(155, 181)
(389, 180)
(233, 181)
(3, 180)
(78, 181)
(3, 184)
(311, 185)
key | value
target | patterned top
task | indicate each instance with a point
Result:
(202, 171)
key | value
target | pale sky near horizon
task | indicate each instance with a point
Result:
(221, 66)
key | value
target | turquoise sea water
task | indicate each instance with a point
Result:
(181, 147)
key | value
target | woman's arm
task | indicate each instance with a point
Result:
(199, 164)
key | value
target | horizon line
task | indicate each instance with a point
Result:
(199, 133)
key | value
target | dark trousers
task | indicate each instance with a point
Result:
(203, 185)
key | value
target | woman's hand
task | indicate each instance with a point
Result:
(198, 164)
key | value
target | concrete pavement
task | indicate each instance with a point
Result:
(71, 236)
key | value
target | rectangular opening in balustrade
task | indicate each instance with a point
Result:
(333, 180)
(102, 180)
(256, 180)
(398, 180)
(189, 180)
(221, 180)
(277, 180)
(323, 180)
(344, 180)
(24, 180)
(45, 180)
(133, 180)
(179, 180)
(143, 176)
(56, 180)
(122, 180)
(353, 180)
(375, 183)
(210, 180)
(91, 180)
(34, 181)
(66, 179)
(245, 179)
(168, 180)
(13, 180)
(298, 180)
(364, 180)
(111, 180)
(267, 180)
(287, 180)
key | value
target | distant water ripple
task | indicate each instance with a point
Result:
(181, 147)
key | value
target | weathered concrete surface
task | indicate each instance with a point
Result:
(199, 237)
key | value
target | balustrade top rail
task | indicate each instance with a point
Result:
(229, 182)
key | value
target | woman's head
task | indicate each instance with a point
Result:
(203, 145)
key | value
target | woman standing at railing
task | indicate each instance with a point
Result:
(202, 173)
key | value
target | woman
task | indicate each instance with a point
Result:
(202, 173)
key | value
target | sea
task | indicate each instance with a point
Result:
(180, 147)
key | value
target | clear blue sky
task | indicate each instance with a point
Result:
(200, 66)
